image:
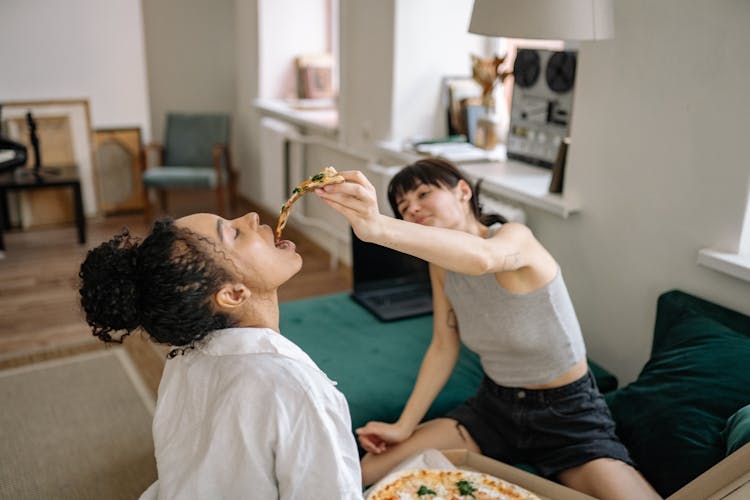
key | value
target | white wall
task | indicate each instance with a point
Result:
(286, 29)
(432, 42)
(76, 49)
(366, 52)
(190, 51)
(247, 127)
(660, 163)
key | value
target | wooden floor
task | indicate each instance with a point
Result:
(39, 311)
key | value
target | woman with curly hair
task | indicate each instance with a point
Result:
(242, 412)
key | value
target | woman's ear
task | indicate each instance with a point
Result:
(463, 190)
(231, 296)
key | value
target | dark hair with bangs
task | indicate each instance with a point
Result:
(439, 173)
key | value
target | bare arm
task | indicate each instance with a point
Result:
(437, 366)
(440, 358)
(509, 249)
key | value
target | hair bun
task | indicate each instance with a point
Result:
(108, 287)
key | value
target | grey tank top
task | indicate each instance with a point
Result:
(522, 339)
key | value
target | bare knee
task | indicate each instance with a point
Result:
(608, 479)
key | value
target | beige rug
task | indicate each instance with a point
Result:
(77, 427)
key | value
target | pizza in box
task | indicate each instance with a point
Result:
(438, 484)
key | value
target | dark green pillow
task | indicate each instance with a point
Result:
(672, 416)
(737, 431)
(605, 380)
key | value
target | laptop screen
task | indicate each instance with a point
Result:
(375, 266)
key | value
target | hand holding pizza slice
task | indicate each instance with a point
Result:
(328, 175)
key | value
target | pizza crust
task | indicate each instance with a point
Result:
(327, 176)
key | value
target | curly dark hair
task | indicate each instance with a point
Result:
(163, 285)
(440, 173)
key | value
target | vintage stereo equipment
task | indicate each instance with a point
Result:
(542, 104)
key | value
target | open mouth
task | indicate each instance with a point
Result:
(285, 245)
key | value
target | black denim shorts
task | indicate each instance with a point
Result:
(550, 429)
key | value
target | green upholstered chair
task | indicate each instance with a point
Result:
(195, 155)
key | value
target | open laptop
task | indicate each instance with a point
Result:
(390, 284)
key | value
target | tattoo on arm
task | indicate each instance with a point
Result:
(512, 261)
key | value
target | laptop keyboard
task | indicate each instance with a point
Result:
(399, 297)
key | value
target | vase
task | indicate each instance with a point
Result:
(485, 136)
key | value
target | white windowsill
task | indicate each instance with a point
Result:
(323, 121)
(520, 182)
(733, 264)
(509, 179)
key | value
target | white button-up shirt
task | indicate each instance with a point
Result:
(247, 414)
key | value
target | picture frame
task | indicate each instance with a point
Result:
(459, 92)
(314, 76)
(65, 144)
(119, 163)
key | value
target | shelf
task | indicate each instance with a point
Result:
(320, 120)
(520, 182)
(509, 179)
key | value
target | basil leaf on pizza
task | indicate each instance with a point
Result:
(424, 490)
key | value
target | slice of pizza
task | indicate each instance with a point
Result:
(326, 176)
(429, 484)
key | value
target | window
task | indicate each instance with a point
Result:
(310, 37)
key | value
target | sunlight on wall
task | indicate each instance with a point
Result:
(744, 247)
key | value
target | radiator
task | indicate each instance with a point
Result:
(279, 147)
(491, 204)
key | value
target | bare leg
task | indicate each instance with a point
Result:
(441, 433)
(608, 479)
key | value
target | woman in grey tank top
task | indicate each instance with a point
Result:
(497, 290)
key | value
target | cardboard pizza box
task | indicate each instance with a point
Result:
(729, 479)
(544, 488)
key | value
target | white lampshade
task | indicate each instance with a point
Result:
(544, 19)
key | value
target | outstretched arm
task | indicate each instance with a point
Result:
(509, 249)
(437, 366)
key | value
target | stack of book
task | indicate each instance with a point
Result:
(457, 150)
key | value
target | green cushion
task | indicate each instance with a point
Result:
(672, 307)
(737, 431)
(605, 380)
(180, 177)
(671, 417)
(374, 363)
